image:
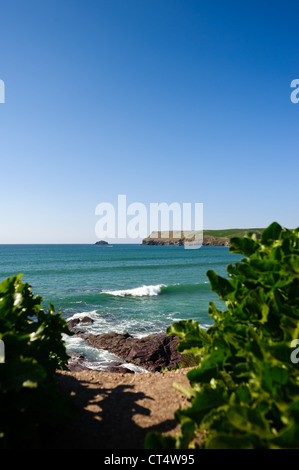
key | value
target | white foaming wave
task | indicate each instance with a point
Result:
(91, 314)
(143, 291)
(96, 359)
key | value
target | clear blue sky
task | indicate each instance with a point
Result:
(161, 100)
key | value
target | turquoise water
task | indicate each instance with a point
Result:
(123, 288)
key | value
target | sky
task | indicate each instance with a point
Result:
(183, 101)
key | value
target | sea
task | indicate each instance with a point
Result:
(123, 288)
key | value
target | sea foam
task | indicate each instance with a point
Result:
(143, 291)
(92, 314)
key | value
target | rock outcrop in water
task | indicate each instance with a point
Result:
(77, 321)
(153, 352)
(77, 363)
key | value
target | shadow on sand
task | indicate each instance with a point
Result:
(108, 423)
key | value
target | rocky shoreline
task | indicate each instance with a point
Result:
(188, 237)
(152, 353)
(180, 238)
(209, 241)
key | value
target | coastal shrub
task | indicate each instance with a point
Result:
(30, 400)
(187, 360)
(245, 391)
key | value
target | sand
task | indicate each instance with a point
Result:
(117, 410)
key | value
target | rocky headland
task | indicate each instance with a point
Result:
(207, 237)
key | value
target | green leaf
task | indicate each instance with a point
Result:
(249, 420)
(189, 392)
(220, 285)
(243, 245)
(34, 350)
(244, 392)
(271, 234)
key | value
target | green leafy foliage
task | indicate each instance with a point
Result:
(29, 396)
(245, 391)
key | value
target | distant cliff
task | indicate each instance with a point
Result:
(210, 237)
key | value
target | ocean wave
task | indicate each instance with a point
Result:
(143, 291)
(181, 288)
(154, 290)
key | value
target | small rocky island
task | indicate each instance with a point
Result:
(101, 242)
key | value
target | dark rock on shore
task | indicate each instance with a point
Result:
(153, 352)
(76, 363)
(116, 367)
(72, 324)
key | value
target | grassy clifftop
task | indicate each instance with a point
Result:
(210, 237)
